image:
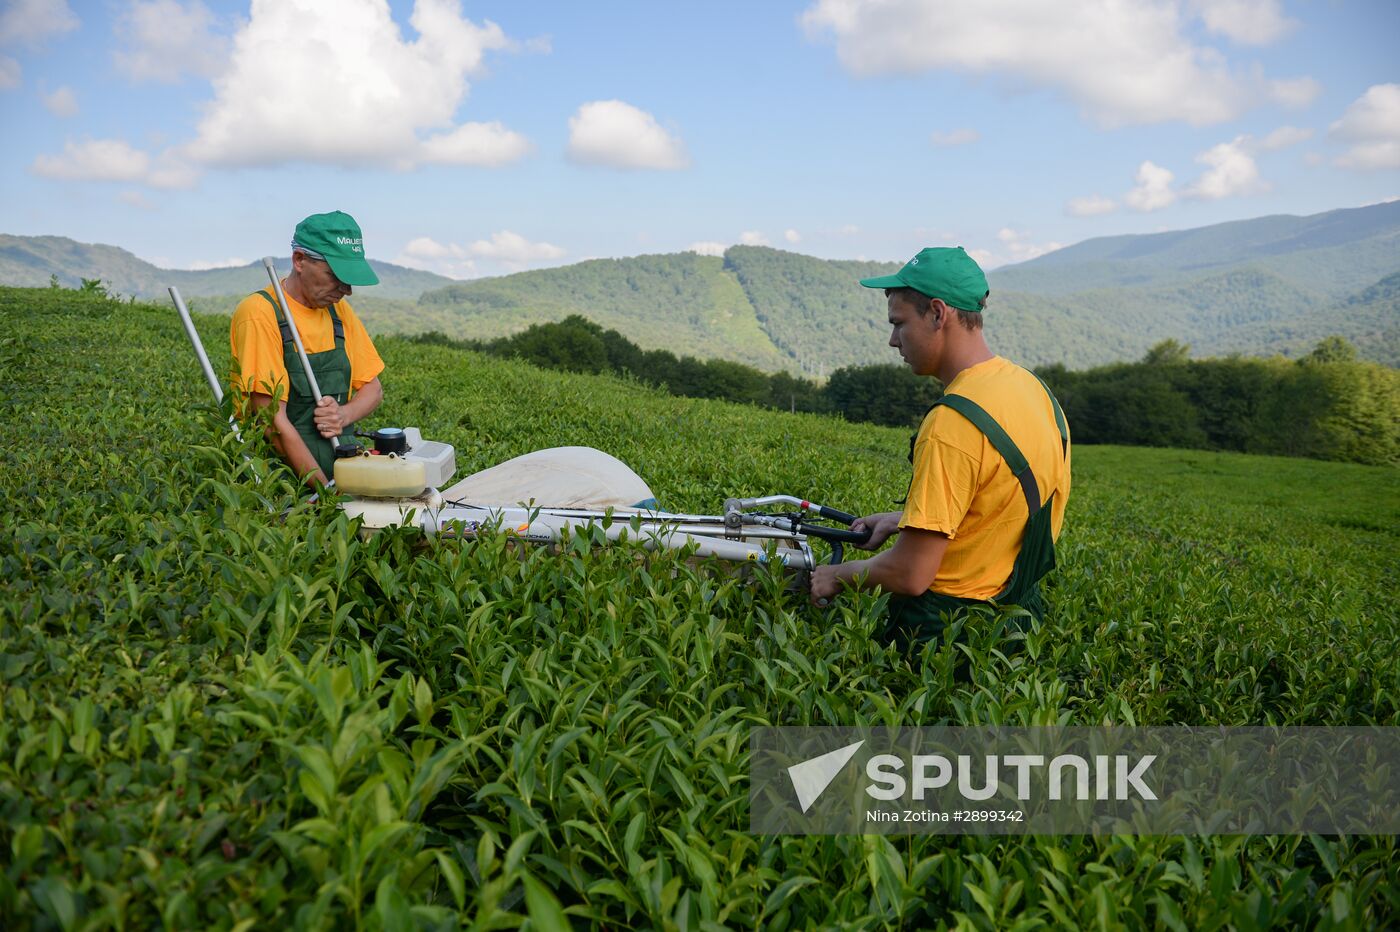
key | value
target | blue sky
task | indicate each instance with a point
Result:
(478, 138)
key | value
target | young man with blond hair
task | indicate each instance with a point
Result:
(991, 464)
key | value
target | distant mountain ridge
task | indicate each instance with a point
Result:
(1269, 285)
(30, 260)
(1334, 253)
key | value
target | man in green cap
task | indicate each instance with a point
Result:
(328, 260)
(991, 464)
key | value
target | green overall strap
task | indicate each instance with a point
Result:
(1036, 556)
(332, 370)
(915, 619)
(1001, 441)
(286, 329)
(1059, 415)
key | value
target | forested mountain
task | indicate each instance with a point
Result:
(30, 260)
(1369, 319)
(1336, 253)
(809, 308)
(687, 303)
(1255, 287)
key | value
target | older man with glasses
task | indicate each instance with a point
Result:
(328, 261)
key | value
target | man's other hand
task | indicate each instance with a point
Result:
(330, 423)
(881, 526)
(825, 584)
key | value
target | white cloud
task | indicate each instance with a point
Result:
(753, 238)
(30, 22)
(337, 83)
(113, 160)
(482, 144)
(1232, 172)
(1371, 124)
(1091, 206)
(200, 265)
(95, 160)
(985, 258)
(1251, 22)
(958, 137)
(429, 255)
(792, 236)
(1153, 191)
(1123, 62)
(1375, 114)
(10, 72)
(849, 229)
(163, 40)
(1283, 137)
(1371, 156)
(425, 247)
(136, 199)
(512, 249)
(615, 134)
(1296, 93)
(62, 102)
(1019, 248)
(707, 248)
(505, 249)
(1015, 246)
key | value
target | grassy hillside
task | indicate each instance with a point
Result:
(222, 708)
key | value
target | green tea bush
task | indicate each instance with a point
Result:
(223, 708)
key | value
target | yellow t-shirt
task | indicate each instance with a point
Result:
(256, 343)
(962, 487)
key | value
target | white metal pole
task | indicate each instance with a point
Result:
(291, 322)
(296, 335)
(193, 334)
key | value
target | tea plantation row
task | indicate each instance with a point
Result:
(220, 708)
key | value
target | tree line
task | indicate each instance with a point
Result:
(1327, 405)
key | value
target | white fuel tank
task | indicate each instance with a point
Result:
(373, 476)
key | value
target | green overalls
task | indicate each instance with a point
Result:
(332, 369)
(916, 619)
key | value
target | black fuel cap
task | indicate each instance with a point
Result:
(390, 440)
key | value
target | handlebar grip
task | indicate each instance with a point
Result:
(831, 514)
(836, 534)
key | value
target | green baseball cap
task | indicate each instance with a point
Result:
(947, 273)
(335, 238)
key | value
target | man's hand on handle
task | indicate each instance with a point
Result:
(330, 421)
(333, 420)
(881, 527)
